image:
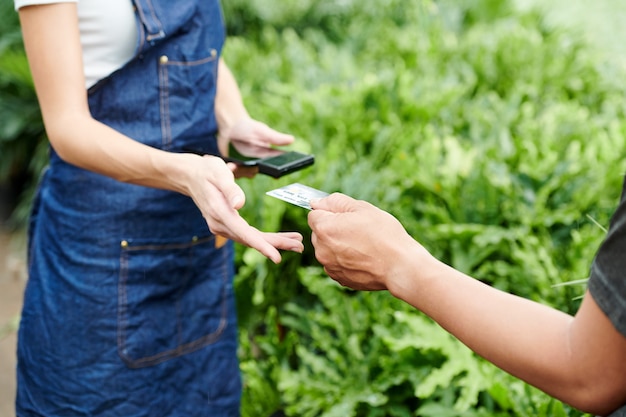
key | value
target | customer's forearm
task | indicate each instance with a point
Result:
(531, 341)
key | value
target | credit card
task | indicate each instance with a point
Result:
(297, 194)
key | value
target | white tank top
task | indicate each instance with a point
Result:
(108, 34)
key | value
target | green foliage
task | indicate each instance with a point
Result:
(23, 142)
(497, 141)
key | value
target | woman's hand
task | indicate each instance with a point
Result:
(252, 132)
(212, 186)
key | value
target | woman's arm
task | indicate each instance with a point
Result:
(229, 106)
(52, 42)
(580, 360)
(233, 119)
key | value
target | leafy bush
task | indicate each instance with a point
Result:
(495, 140)
(23, 143)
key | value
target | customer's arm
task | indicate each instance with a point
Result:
(580, 360)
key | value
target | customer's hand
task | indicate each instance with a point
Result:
(211, 185)
(359, 245)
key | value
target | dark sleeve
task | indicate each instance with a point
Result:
(607, 282)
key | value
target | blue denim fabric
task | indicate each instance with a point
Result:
(129, 308)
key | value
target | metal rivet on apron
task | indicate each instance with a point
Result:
(163, 59)
(124, 244)
(213, 52)
(194, 239)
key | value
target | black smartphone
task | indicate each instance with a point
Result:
(285, 163)
(270, 161)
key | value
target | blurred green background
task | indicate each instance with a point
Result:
(494, 130)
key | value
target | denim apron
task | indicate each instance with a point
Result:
(129, 308)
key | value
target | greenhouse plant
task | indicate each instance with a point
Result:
(496, 139)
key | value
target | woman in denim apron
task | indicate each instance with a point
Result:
(129, 309)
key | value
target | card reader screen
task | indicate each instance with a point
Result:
(284, 159)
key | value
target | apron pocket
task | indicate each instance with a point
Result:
(172, 299)
(188, 85)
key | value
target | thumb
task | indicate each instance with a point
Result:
(225, 183)
(234, 195)
(336, 203)
(275, 137)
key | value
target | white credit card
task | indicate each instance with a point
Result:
(297, 194)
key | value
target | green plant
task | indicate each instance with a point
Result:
(493, 138)
(23, 144)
